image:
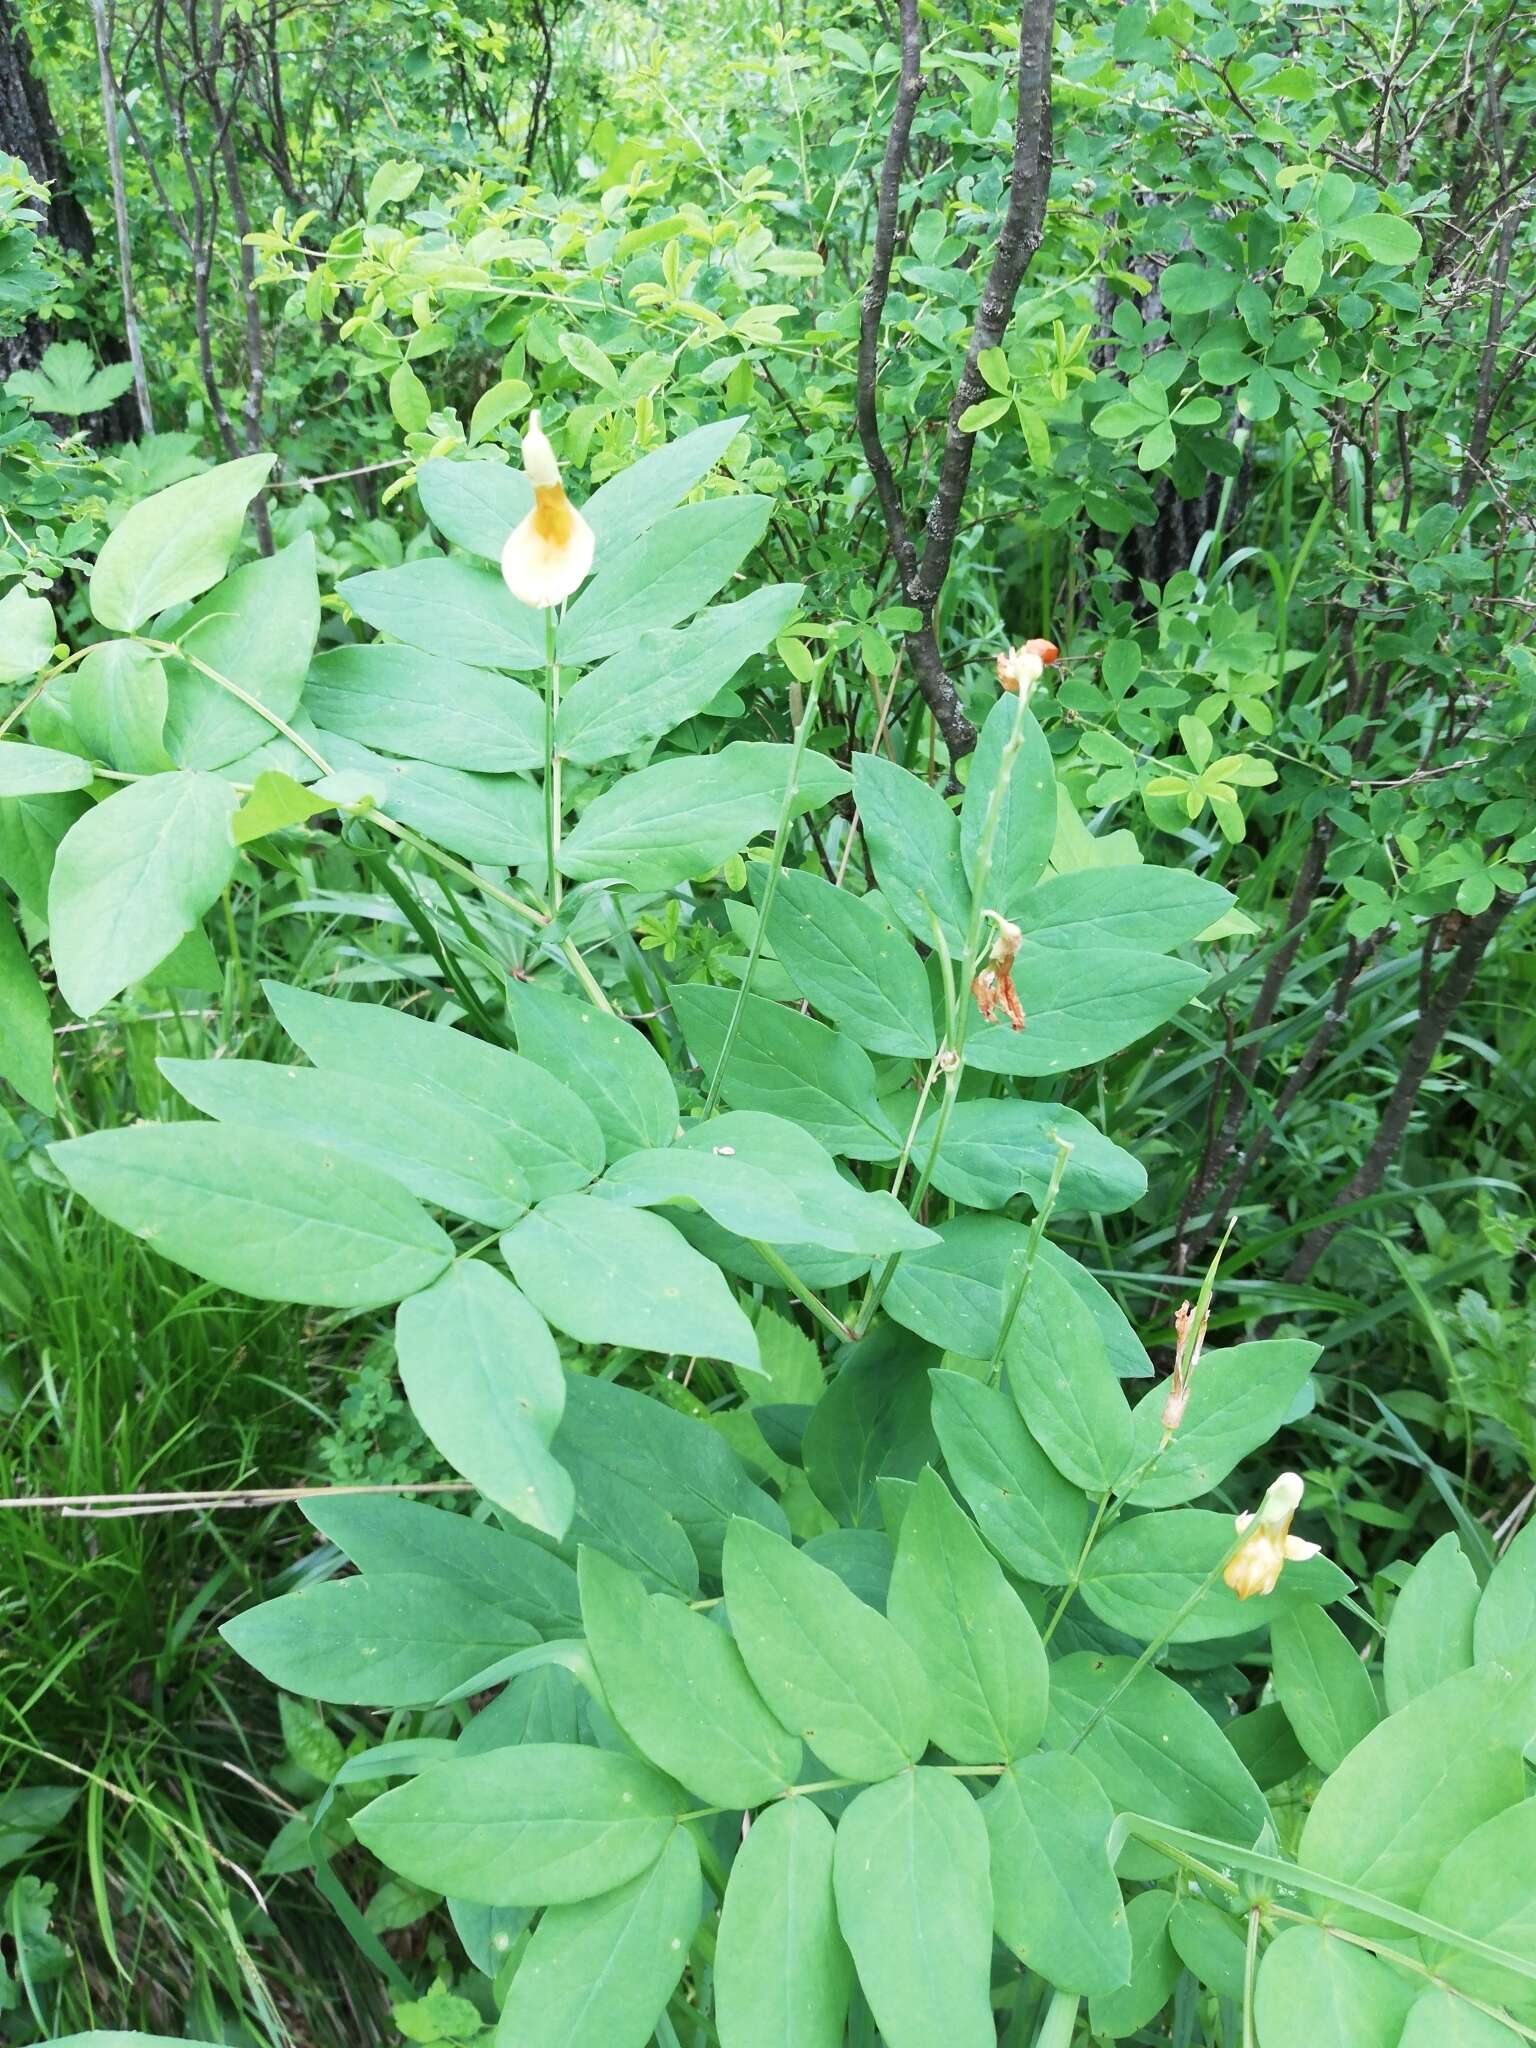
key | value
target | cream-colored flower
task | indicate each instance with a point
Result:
(1256, 1566)
(550, 553)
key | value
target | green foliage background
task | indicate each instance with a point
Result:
(1252, 452)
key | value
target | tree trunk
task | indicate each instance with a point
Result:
(28, 131)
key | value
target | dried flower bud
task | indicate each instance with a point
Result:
(1188, 1344)
(1255, 1566)
(993, 987)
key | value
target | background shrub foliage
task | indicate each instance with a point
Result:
(551, 1040)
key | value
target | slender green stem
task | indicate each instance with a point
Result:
(1163, 1636)
(952, 1054)
(1060, 2019)
(770, 889)
(1031, 1252)
(936, 1064)
(1212, 1861)
(551, 760)
(497, 894)
(1250, 1977)
(24, 704)
(798, 1288)
(1078, 1569)
(244, 696)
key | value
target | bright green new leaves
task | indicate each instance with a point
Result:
(1026, 826)
(971, 1631)
(1237, 1400)
(678, 1688)
(1068, 1394)
(914, 1900)
(1033, 1518)
(540, 1823)
(26, 1025)
(791, 1066)
(607, 1275)
(553, 1134)
(630, 503)
(603, 1970)
(1315, 1991)
(405, 701)
(474, 504)
(665, 574)
(484, 1380)
(853, 964)
(257, 630)
(131, 879)
(27, 634)
(1154, 1971)
(1429, 1634)
(914, 847)
(1419, 1783)
(400, 1640)
(38, 771)
(612, 1067)
(1152, 1747)
(451, 609)
(1055, 1900)
(835, 1672)
(443, 1154)
(1143, 1573)
(995, 1147)
(174, 545)
(782, 1973)
(680, 818)
(663, 678)
(117, 704)
(265, 1213)
(1486, 1888)
(1506, 1614)
(1324, 1688)
(764, 1177)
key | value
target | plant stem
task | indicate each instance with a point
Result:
(551, 760)
(951, 1057)
(1060, 2019)
(1077, 1570)
(1163, 1636)
(244, 696)
(770, 889)
(1027, 1264)
(1250, 1976)
(798, 1288)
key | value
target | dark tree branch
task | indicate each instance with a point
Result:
(1437, 1012)
(922, 573)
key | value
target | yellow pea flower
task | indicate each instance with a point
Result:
(550, 553)
(1256, 1565)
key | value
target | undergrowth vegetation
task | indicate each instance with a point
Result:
(765, 800)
